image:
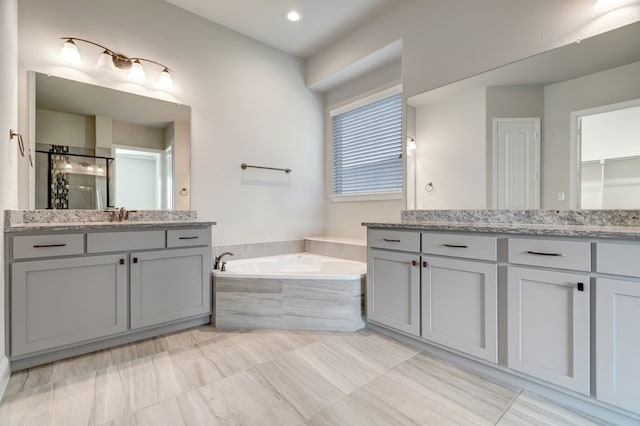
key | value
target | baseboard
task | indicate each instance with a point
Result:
(5, 373)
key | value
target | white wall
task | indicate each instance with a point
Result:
(446, 40)
(8, 149)
(450, 136)
(603, 88)
(249, 104)
(345, 218)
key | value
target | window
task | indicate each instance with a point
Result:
(367, 147)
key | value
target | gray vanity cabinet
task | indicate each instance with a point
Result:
(460, 305)
(62, 302)
(618, 325)
(169, 285)
(393, 279)
(548, 310)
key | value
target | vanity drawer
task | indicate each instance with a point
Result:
(479, 247)
(188, 237)
(574, 255)
(33, 246)
(104, 242)
(618, 259)
(394, 240)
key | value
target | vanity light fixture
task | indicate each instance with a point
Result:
(411, 145)
(606, 4)
(112, 60)
(293, 15)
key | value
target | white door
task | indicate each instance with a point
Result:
(516, 163)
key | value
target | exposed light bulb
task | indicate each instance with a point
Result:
(106, 61)
(293, 15)
(68, 166)
(411, 146)
(606, 4)
(136, 72)
(69, 53)
(164, 80)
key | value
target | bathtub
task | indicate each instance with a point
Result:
(300, 291)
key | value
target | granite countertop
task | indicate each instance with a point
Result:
(593, 231)
(88, 226)
(86, 220)
(618, 224)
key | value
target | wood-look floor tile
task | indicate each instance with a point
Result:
(344, 370)
(29, 407)
(229, 356)
(94, 398)
(360, 409)
(303, 387)
(152, 379)
(16, 383)
(421, 404)
(166, 413)
(38, 376)
(241, 399)
(529, 409)
(177, 340)
(196, 411)
(429, 376)
(80, 365)
(197, 369)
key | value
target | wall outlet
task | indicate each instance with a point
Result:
(561, 196)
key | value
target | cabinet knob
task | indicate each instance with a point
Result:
(424, 264)
(580, 286)
(135, 260)
(414, 263)
(122, 261)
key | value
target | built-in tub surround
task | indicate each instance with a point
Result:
(299, 291)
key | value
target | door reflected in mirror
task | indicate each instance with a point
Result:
(99, 148)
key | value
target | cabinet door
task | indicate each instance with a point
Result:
(169, 285)
(618, 343)
(460, 306)
(548, 326)
(393, 290)
(62, 302)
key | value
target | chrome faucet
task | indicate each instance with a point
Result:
(217, 262)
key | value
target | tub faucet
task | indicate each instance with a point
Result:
(218, 259)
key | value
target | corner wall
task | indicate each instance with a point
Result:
(8, 148)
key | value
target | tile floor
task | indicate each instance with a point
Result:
(205, 376)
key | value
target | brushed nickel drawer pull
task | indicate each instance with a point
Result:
(49, 245)
(188, 238)
(390, 241)
(455, 246)
(540, 253)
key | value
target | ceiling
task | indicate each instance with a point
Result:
(324, 21)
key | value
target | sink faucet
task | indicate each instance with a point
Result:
(217, 262)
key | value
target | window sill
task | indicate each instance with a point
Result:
(372, 196)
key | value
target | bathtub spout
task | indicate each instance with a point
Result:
(218, 259)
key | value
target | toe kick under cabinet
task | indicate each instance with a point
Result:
(72, 289)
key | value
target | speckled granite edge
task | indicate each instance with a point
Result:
(630, 218)
(64, 220)
(607, 232)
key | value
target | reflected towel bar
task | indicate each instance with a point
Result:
(245, 166)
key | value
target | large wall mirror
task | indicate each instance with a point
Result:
(99, 148)
(558, 130)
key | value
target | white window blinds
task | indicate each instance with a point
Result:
(367, 148)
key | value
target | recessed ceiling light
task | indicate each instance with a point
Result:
(293, 15)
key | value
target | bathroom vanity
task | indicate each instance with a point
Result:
(551, 297)
(75, 287)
